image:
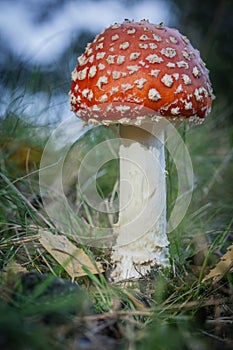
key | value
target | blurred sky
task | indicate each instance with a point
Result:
(43, 40)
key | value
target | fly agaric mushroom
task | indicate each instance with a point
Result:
(130, 74)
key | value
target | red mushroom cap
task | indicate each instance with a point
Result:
(140, 70)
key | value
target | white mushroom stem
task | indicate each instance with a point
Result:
(141, 228)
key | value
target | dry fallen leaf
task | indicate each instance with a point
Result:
(223, 266)
(71, 258)
(14, 267)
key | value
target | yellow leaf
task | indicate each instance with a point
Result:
(71, 258)
(223, 266)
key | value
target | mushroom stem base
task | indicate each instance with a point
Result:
(141, 228)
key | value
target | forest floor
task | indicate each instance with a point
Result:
(44, 305)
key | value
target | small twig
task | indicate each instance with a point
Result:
(117, 314)
(150, 312)
(191, 304)
(213, 336)
(222, 320)
(19, 241)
